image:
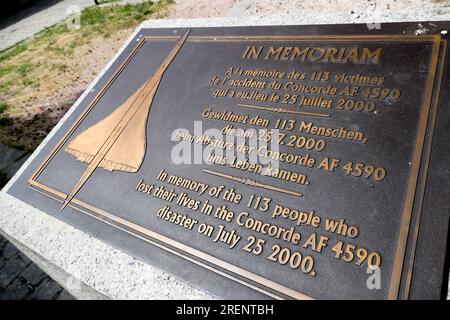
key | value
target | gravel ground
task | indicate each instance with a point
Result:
(208, 8)
(365, 7)
(201, 8)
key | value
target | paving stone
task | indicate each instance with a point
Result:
(13, 168)
(17, 290)
(65, 295)
(21, 279)
(9, 251)
(3, 242)
(46, 290)
(33, 274)
(11, 270)
(23, 257)
(2, 261)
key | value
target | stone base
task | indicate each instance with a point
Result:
(91, 269)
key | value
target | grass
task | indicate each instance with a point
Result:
(14, 51)
(48, 48)
(106, 1)
(3, 107)
(41, 68)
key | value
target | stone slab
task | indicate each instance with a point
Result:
(102, 267)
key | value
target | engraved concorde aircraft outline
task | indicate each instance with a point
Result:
(148, 91)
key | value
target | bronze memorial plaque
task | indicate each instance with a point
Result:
(294, 162)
